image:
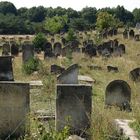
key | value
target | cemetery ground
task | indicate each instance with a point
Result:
(102, 119)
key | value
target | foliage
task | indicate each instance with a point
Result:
(31, 65)
(71, 35)
(7, 8)
(105, 21)
(136, 13)
(56, 23)
(39, 41)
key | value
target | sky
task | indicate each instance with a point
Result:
(77, 4)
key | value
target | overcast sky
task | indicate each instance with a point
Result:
(77, 4)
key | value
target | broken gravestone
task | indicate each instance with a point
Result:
(69, 76)
(118, 93)
(6, 69)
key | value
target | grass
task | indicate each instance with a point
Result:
(102, 128)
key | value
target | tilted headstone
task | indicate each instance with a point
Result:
(135, 74)
(6, 69)
(27, 52)
(73, 108)
(118, 93)
(69, 76)
(14, 109)
(57, 49)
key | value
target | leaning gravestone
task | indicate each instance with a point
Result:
(27, 51)
(135, 74)
(73, 108)
(14, 109)
(69, 76)
(118, 93)
(6, 69)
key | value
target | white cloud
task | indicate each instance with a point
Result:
(77, 4)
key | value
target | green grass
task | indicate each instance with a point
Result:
(102, 119)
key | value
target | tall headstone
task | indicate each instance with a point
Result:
(14, 109)
(27, 51)
(6, 69)
(73, 108)
(69, 76)
(118, 93)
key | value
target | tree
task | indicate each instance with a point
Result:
(36, 14)
(78, 24)
(136, 14)
(39, 41)
(89, 14)
(71, 35)
(123, 15)
(7, 8)
(105, 21)
(56, 23)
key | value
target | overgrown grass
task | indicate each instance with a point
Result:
(102, 119)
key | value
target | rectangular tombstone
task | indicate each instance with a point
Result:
(6, 69)
(14, 109)
(27, 52)
(73, 107)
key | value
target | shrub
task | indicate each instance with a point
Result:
(39, 41)
(30, 66)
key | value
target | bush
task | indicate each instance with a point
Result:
(31, 66)
(71, 35)
(39, 41)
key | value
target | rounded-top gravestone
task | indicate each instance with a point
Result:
(118, 93)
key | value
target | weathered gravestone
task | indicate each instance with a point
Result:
(48, 50)
(118, 93)
(135, 74)
(137, 37)
(6, 49)
(6, 69)
(56, 69)
(131, 34)
(57, 49)
(73, 108)
(69, 76)
(27, 52)
(14, 109)
(14, 49)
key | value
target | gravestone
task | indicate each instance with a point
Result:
(56, 69)
(6, 49)
(14, 49)
(73, 108)
(57, 49)
(14, 109)
(69, 76)
(118, 93)
(27, 52)
(135, 74)
(6, 69)
(48, 50)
